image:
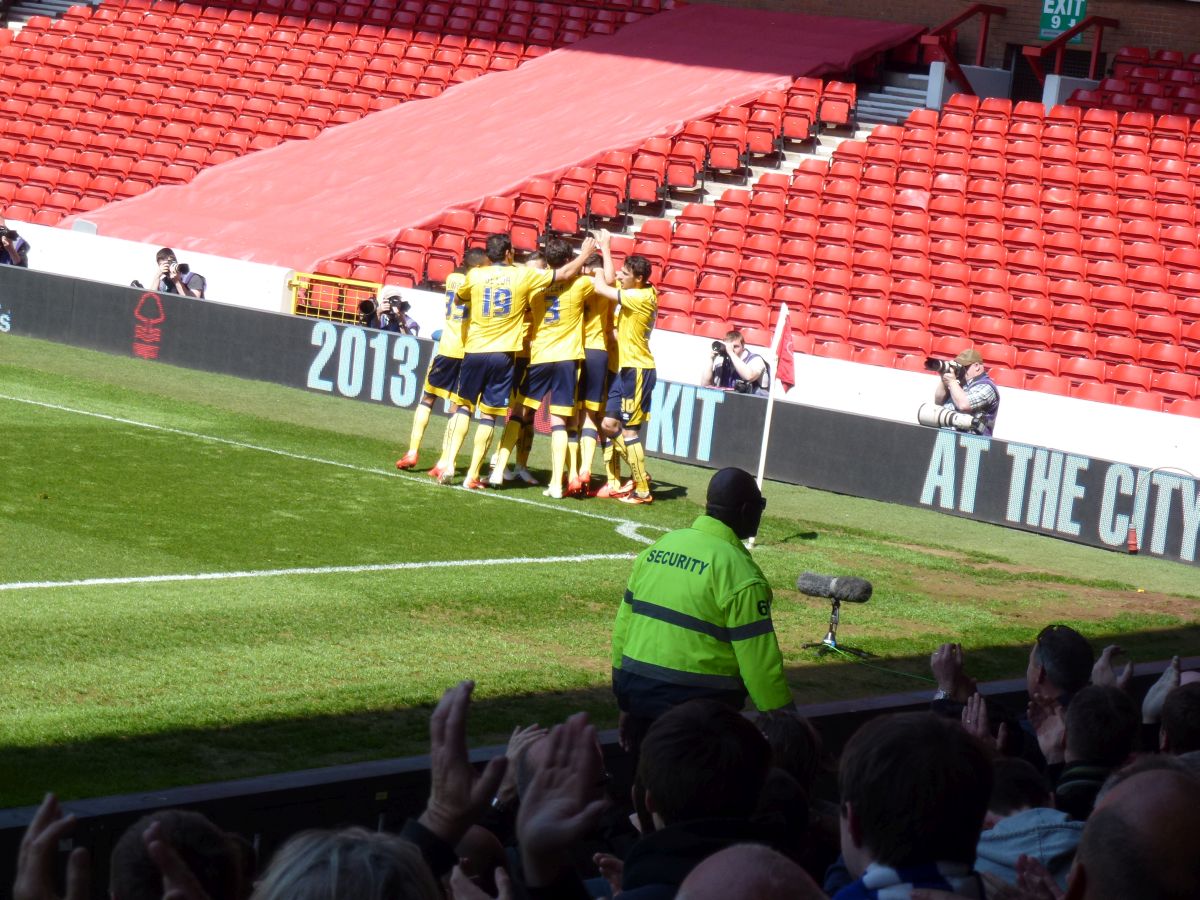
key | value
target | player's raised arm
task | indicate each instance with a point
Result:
(575, 266)
(604, 285)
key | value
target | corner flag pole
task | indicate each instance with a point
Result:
(776, 342)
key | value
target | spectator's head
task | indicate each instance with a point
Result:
(1016, 786)
(972, 362)
(1059, 663)
(736, 341)
(1141, 841)
(915, 788)
(557, 253)
(166, 254)
(635, 273)
(351, 864)
(474, 257)
(499, 248)
(214, 857)
(1102, 726)
(796, 746)
(783, 806)
(1180, 728)
(748, 872)
(734, 498)
(702, 760)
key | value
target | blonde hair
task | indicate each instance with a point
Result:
(350, 863)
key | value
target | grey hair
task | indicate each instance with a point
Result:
(349, 863)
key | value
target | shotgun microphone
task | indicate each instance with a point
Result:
(842, 588)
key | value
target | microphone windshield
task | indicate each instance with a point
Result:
(842, 588)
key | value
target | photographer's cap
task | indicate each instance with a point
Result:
(969, 358)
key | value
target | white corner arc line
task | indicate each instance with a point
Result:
(627, 527)
(315, 570)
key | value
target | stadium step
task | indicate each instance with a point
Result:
(21, 12)
(891, 102)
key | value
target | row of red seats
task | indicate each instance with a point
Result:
(82, 130)
(621, 180)
(1165, 81)
(1173, 392)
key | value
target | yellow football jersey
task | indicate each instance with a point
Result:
(454, 331)
(557, 313)
(497, 298)
(635, 320)
(597, 321)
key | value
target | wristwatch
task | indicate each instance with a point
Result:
(940, 694)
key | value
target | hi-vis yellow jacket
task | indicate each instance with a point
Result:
(696, 622)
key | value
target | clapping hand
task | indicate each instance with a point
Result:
(35, 859)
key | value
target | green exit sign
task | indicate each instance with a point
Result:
(1062, 15)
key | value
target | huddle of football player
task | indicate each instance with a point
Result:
(564, 329)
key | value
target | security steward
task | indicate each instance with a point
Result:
(696, 619)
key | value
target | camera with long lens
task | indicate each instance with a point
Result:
(7, 232)
(935, 416)
(719, 348)
(945, 366)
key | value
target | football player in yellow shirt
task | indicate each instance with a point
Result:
(593, 378)
(496, 297)
(442, 377)
(555, 352)
(629, 396)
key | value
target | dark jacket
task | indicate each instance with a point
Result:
(657, 864)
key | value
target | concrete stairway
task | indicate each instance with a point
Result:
(892, 101)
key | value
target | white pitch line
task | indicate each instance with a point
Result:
(626, 527)
(315, 570)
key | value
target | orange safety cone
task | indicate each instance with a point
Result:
(1131, 543)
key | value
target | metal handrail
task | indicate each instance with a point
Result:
(1058, 46)
(939, 39)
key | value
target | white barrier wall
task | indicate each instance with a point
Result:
(80, 254)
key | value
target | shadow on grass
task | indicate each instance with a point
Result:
(116, 765)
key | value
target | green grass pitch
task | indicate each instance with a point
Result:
(204, 578)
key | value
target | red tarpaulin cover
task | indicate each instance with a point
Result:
(306, 201)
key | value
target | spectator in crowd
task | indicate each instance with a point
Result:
(748, 872)
(696, 617)
(731, 367)
(1097, 736)
(914, 792)
(1022, 821)
(1141, 841)
(968, 389)
(350, 863)
(14, 249)
(212, 855)
(174, 277)
(392, 315)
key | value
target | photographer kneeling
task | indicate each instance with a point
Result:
(966, 388)
(174, 277)
(734, 368)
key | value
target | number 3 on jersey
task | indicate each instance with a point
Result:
(497, 302)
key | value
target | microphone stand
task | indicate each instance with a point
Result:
(829, 644)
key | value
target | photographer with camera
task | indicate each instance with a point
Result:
(393, 316)
(14, 249)
(734, 368)
(966, 388)
(174, 277)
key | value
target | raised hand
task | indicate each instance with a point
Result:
(1049, 721)
(1152, 705)
(1104, 673)
(179, 882)
(947, 666)
(457, 795)
(564, 800)
(35, 859)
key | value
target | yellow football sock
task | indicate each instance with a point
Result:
(612, 464)
(420, 423)
(483, 443)
(558, 455)
(512, 433)
(637, 463)
(525, 444)
(456, 435)
(572, 451)
(587, 451)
